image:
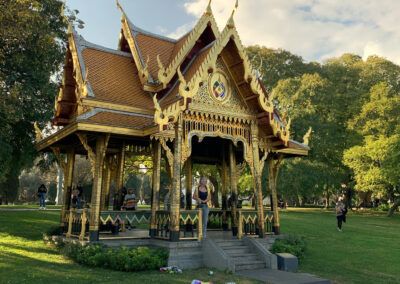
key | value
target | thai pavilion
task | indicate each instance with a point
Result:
(192, 100)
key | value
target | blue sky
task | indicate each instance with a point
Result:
(313, 29)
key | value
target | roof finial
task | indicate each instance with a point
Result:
(62, 12)
(230, 21)
(208, 11)
(123, 16)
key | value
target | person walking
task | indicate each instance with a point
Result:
(202, 196)
(340, 213)
(42, 190)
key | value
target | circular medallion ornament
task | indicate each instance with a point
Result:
(218, 86)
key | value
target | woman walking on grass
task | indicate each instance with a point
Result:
(42, 190)
(340, 212)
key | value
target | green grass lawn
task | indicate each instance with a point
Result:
(367, 251)
(24, 258)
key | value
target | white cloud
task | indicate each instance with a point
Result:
(181, 30)
(315, 29)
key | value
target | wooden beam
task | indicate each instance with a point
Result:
(252, 97)
(236, 64)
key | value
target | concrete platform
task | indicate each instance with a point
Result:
(282, 277)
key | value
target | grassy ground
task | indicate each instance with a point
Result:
(367, 251)
(24, 258)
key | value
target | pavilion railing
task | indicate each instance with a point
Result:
(125, 217)
(190, 224)
(78, 223)
(216, 219)
(248, 223)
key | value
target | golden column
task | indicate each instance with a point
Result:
(224, 179)
(119, 183)
(273, 169)
(257, 181)
(176, 183)
(189, 181)
(67, 186)
(155, 203)
(96, 190)
(234, 191)
(106, 183)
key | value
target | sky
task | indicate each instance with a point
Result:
(314, 29)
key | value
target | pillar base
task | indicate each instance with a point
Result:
(234, 231)
(276, 230)
(93, 235)
(225, 227)
(153, 233)
(174, 236)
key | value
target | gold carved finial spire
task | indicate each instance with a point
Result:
(208, 11)
(123, 16)
(62, 12)
(230, 21)
(306, 137)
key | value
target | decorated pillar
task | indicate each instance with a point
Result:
(273, 169)
(189, 183)
(119, 183)
(97, 168)
(257, 181)
(176, 183)
(68, 169)
(106, 183)
(155, 203)
(224, 179)
(234, 191)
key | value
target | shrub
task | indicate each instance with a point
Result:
(124, 259)
(382, 207)
(292, 244)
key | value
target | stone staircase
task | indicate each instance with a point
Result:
(241, 255)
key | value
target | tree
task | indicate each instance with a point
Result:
(375, 162)
(32, 49)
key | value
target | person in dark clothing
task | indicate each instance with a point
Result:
(79, 197)
(203, 196)
(42, 190)
(340, 213)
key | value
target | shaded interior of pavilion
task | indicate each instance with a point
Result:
(154, 221)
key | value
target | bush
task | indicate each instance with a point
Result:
(382, 207)
(293, 244)
(124, 259)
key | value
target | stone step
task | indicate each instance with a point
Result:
(230, 243)
(236, 250)
(244, 257)
(255, 264)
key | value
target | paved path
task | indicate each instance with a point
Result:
(282, 277)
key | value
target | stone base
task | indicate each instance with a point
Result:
(287, 262)
(276, 230)
(234, 231)
(93, 235)
(174, 236)
(153, 233)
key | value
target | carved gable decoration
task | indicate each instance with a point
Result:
(219, 95)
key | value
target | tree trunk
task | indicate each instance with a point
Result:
(327, 195)
(396, 204)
